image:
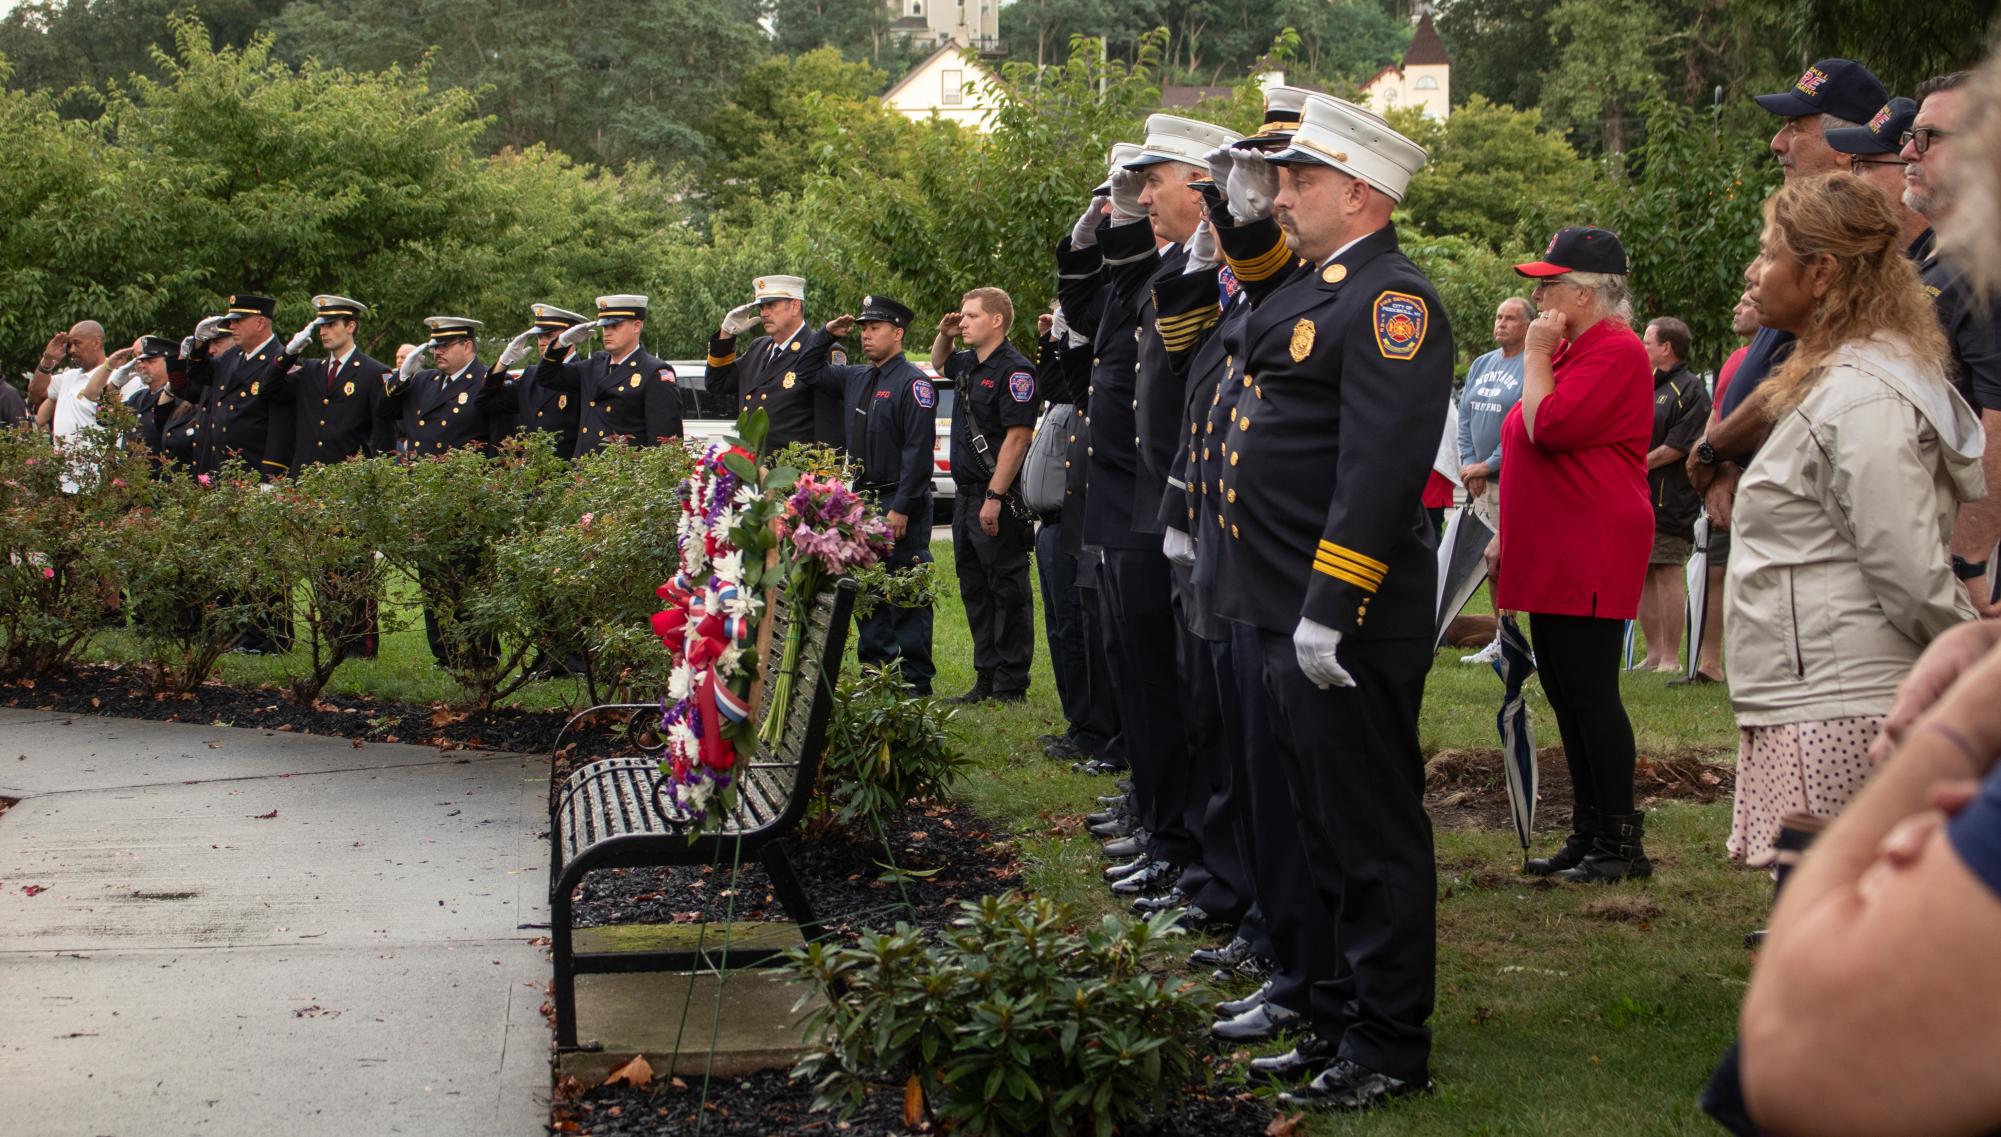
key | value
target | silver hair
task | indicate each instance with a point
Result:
(1528, 309)
(1834, 122)
(1611, 295)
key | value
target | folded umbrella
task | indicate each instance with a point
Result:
(1514, 667)
(1462, 565)
(1698, 592)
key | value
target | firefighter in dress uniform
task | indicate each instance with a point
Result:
(626, 393)
(779, 372)
(517, 402)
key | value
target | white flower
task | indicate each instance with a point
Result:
(697, 795)
(729, 566)
(680, 682)
(728, 661)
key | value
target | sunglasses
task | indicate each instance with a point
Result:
(1923, 137)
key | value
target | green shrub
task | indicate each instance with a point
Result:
(196, 572)
(884, 747)
(322, 532)
(1013, 1025)
(59, 551)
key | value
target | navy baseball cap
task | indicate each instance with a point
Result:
(1883, 135)
(1840, 87)
(1580, 248)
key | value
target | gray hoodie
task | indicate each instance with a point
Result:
(1840, 573)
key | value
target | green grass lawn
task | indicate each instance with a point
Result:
(1560, 1010)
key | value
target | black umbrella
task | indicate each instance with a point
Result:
(1462, 565)
(1514, 667)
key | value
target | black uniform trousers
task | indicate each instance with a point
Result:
(1218, 880)
(892, 633)
(1296, 926)
(1140, 616)
(993, 585)
(1063, 627)
(1352, 759)
(1100, 733)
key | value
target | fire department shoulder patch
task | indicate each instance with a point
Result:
(1401, 320)
(925, 394)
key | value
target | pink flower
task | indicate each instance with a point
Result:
(585, 521)
(204, 479)
(119, 482)
(48, 574)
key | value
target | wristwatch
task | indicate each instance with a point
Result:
(1706, 454)
(1968, 570)
(992, 496)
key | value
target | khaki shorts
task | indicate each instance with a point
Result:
(1670, 550)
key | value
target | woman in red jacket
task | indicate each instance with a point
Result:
(1576, 528)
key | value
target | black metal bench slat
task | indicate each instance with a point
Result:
(606, 814)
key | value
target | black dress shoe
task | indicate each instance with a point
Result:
(1231, 1008)
(1154, 877)
(1261, 1023)
(1008, 696)
(1120, 872)
(1148, 905)
(1117, 827)
(979, 694)
(1229, 955)
(1196, 920)
(1099, 818)
(1345, 1085)
(1309, 1054)
(1129, 845)
(1062, 749)
(1255, 967)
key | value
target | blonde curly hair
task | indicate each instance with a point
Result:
(1875, 290)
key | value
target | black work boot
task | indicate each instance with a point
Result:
(1583, 827)
(1616, 853)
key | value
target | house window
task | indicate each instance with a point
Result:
(916, 8)
(1427, 84)
(951, 88)
(1389, 94)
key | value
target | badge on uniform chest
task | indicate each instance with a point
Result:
(790, 381)
(1302, 340)
(347, 388)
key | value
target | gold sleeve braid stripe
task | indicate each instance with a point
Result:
(1179, 333)
(1273, 261)
(723, 360)
(1365, 573)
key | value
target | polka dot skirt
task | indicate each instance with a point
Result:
(1815, 767)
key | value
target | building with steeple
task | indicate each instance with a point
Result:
(1425, 79)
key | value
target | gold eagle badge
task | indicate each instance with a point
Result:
(1302, 340)
(347, 388)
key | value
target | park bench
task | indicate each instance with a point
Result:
(617, 813)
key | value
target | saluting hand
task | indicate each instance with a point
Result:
(1546, 331)
(739, 319)
(516, 350)
(58, 347)
(211, 328)
(571, 337)
(841, 325)
(1126, 188)
(1252, 188)
(304, 337)
(1203, 254)
(950, 323)
(122, 356)
(1084, 233)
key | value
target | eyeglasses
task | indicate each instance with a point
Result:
(1855, 164)
(1924, 136)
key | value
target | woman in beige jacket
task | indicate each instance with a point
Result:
(1840, 574)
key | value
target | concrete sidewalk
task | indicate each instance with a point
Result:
(242, 931)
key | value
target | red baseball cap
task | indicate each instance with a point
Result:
(1580, 248)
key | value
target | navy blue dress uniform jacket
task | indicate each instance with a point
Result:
(993, 395)
(336, 411)
(436, 412)
(1110, 452)
(1341, 390)
(1156, 398)
(636, 398)
(519, 403)
(1081, 288)
(892, 426)
(785, 384)
(238, 391)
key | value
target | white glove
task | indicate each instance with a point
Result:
(1084, 233)
(1178, 547)
(1126, 187)
(1252, 186)
(514, 351)
(1059, 325)
(571, 337)
(211, 328)
(739, 320)
(1203, 255)
(119, 375)
(1314, 644)
(187, 346)
(305, 336)
(1221, 161)
(414, 362)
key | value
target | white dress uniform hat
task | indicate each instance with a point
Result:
(550, 318)
(1283, 107)
(330, 307)
(621, 307)
(1170, 138)
(1122, 152)
(779, 288)
(444, 329)
(1342, 135)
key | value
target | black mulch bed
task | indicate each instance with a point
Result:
(764, 1105)
(108, 689)
(847, 876)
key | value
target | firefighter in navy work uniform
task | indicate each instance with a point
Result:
(779, 372)
(1327, 551)
(437, 408)
(336, 404)
(993, 418)
(626, 392)
(239, 385)
(517, 402)
(892, 424)
(164, 415)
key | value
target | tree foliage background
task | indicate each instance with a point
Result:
(441, 156)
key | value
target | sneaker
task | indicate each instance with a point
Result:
(1489, 654)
